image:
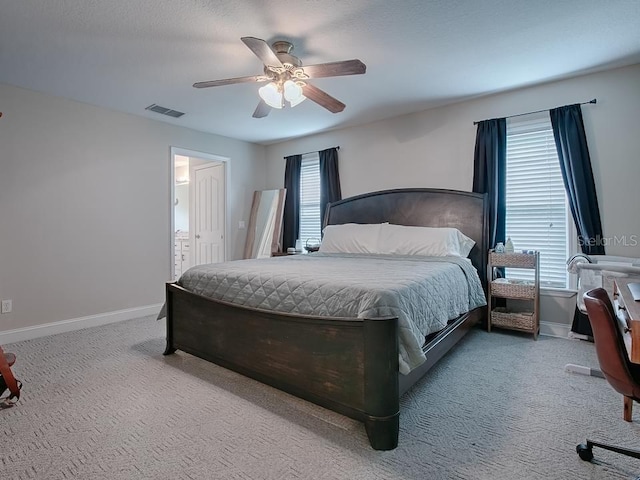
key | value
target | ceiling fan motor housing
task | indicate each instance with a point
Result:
(283, 50)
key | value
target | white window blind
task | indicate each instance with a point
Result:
(536, 201)
(310, 218)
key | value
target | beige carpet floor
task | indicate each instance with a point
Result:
(104, 403)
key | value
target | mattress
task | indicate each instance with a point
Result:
(424, 293)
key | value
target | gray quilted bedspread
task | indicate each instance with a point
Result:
(423, 292)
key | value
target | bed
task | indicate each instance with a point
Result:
(350, 364)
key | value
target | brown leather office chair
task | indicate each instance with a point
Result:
(8, 381)
(621, 374)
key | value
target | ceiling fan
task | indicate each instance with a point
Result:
(288, 78)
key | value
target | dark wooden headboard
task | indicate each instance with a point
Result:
(424, 207)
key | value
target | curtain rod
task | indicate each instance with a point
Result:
(307, 153)
(537, 111)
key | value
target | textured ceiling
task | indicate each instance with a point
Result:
(128, 54)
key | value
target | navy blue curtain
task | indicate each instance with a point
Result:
(329, 179)
(291, 215)
(575, 163)
(490, 173)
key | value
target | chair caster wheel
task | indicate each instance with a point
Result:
(585, 452)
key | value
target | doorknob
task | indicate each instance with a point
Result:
(197, 236)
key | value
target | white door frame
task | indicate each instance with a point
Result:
(172, 189)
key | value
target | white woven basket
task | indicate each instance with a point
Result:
(503, 317)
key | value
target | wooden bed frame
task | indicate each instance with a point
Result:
(348, 365)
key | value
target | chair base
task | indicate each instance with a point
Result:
(585, 451)
(627, 412)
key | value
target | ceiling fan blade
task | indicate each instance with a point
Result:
(322, 98)
(263, 51)
(262, 110)
(335, 69)
(230, 81)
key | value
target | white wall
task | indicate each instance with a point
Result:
(85, 205)
(85, 202)
(434, 148)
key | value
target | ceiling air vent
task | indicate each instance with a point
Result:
(164, 111)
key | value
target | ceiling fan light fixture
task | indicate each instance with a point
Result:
(293, 93)
(293, 103)
(271, 95)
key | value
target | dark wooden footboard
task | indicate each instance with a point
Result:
(344, 364)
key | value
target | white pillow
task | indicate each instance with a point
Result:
(428, 241)
(351, 238)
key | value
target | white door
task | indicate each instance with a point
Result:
(209, 213)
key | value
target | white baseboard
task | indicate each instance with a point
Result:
(552, 329)
(36, 331)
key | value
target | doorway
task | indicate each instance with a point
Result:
(198, 213)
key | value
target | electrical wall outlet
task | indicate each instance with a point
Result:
(6, 306)
(241, 224)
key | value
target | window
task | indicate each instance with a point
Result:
(537, 210)
(310, 218)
